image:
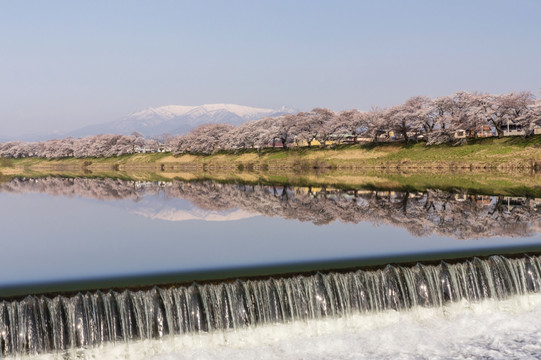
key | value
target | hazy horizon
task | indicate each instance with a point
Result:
(66, 65)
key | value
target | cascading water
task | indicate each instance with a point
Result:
(40, 324)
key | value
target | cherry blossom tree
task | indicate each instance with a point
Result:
(500, 110)
(377, 123)
(266, 132)
(353, 123)
(312, 125)
(516, 107)
(209, 138)
(287, 129)
(530, 118)
(326, 123)
(407, 119)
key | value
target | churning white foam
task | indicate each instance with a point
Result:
(509, 329)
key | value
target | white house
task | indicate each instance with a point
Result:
(460, 134)
(511, 129)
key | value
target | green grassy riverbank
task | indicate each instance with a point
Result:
(492, 153)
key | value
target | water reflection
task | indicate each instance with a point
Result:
(433, 212)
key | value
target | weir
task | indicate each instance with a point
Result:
(38, 324)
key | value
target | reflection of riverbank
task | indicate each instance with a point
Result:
(479, 181)
(454, 214)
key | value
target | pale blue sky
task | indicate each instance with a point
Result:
(64, 64)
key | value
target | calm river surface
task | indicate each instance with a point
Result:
(59, 229)
(77, 234)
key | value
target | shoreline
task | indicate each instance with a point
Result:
(486, 154)
(471, 181)
(509, 166)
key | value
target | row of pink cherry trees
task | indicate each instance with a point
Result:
(434, 120)
(91, 146)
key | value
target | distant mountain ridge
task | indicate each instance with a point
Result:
(179, 119)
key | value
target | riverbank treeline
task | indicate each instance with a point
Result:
(444, 120)
(506, 154)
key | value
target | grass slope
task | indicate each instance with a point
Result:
(492, 153)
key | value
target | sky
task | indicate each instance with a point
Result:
(67, 64)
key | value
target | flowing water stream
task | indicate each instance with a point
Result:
(42, 324)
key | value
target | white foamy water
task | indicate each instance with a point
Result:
(509, 329)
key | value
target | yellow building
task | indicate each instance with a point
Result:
(302, 143)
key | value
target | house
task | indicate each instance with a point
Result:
(347, 139)
(514, 201)
(460, 134)
(364, 139)
(480, 132)
(164, 148)
(390, 135)
(483, 131)
(481, 200)
(302, 143)
(276, 144)
(511, 129)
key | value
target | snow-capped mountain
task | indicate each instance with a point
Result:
(179, 119)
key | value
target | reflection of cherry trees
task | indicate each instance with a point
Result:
(102, 189)
(433, 212)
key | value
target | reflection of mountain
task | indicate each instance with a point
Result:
(155, 207)
(146, 199)
(433, 212)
